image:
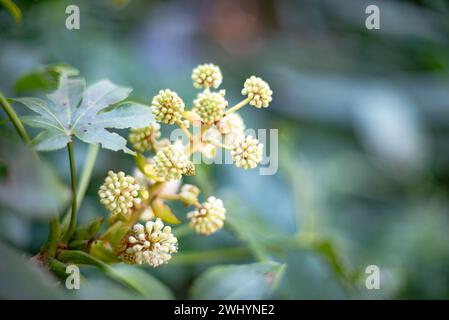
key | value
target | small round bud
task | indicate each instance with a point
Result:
(189, 194)
(142, 139)
(207, 76)
(167, 107)
(246, 152)
(210, 106)
(171, 163)
(258, 91)
(209, 217)
(120, 194)
(153, 244)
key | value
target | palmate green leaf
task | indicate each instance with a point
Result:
(238, 282)
(72, 110)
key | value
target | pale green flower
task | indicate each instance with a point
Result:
(167, 107)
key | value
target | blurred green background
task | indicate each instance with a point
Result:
(363, 120)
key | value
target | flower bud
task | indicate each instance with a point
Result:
(120, 194)
(209, 217)
(153, 244)
(246, 152)
(167, 107)
(207, 76)
(258, 91)
(171, 163)
(210, 106)
(142, 139)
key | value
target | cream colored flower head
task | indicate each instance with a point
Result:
(167, 107)
(210, 106)
(246, 152)
(258, 91)
(171, 163)
(152, 244)
(207, 76)
(119, 194)
(209, 217)
(142, 139)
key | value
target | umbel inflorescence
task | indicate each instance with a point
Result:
(158, 178)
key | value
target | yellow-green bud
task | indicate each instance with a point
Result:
(142, 139)
(171, 163)
(167, 107)
(210, 106)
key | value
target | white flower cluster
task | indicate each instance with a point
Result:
(119, 193)
(207, 76)
(209, 217)
(171, 163)
(258, 91)
(152, 244)
(246, 152)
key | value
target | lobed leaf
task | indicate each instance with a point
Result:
(72, 110)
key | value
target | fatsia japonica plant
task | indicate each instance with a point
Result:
(138, 227)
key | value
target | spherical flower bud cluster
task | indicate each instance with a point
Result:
(119, 194)
(246, 152)
(152, 244)
(210, 106)
(167, 107)
(171, 163)
(189, 194)
(141, 139)
(207, 76)
(209, 217)
(258, 91)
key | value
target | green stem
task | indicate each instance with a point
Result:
(12, 115)
(238, 106)
(89, 164)
(52, 241)
(72, 224)
(86, 175)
